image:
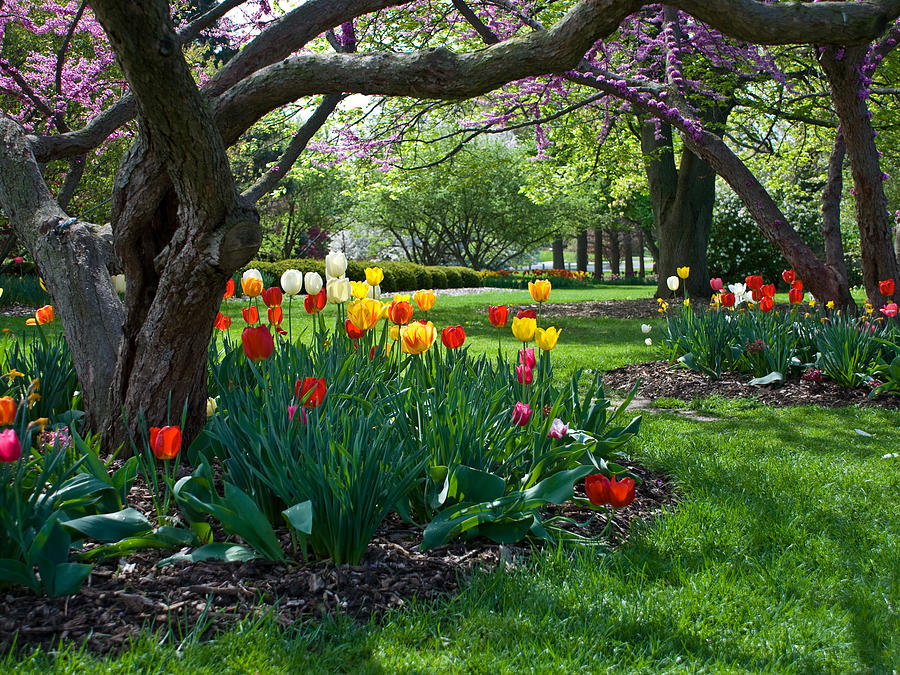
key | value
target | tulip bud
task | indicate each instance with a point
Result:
(312, 282)
(10, 448)
(291, 282)
(211, 407)
(335, 264)
(119, 283)
(338, 290)
(646, 328)
(672, 282)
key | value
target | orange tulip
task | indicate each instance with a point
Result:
(223, 321)
(400, 312)
(229, 289)
(767, 304)
(251, 315)
(251, 286)
(41, 316)
(165, 442)
(7, 411)
(275, 315)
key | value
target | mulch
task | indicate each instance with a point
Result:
(124, 596)
(659, 379)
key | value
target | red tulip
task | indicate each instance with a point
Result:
(886, 287)
(251, 315)
(767, 304)
(18, 260)
(453, 337)
(352, 331)
(756, 295)
(165, 442)
(795, 295)
(229, 289)
(257, 343)
(601, 490)
(498, 314)
(10, 448)
(754, 282)
(272, 297)
(315, 387)
(275, 315)
(768, 290)
(526, 314)
(313, 304)
(727, 299)
(223, 321)
(797, 285)
(788, 276)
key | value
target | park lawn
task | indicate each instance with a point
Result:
(781, 557)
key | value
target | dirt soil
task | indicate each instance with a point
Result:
(658, 379)
(123, 596)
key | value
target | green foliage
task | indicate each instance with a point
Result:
(848, 350)
(22, 289)
(737, 247)
(398, 275)
(49, 361)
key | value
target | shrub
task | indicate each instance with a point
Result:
(454, 277)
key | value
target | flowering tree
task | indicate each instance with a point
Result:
(179, 227)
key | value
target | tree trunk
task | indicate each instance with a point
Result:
(559, 258)
(628, 248)
(831, 211)
(614, 253)
(640, 237)
(581, 252)
(682, 201)
(598, 253)
(849, 93)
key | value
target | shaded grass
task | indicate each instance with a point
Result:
(781, 557)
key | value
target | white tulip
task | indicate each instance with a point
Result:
(672, 283)
(646, 328)
(335, 265)
(291, 282)
(338, 290)
(252, 272)
(312, 281)
(119, 283)
(648, 342)
(737, 289)
(211, 407)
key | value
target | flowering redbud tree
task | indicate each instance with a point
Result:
(179, 226)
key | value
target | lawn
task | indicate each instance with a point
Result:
(781, 557)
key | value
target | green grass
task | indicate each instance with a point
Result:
(781, 557)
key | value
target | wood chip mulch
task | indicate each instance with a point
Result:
(658, 379)
(124, 596)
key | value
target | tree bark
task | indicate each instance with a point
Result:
(598, 253)
(640, 237)
(581, 252)
(559, 254)
(844, 69)
(614, 256)
(831, 211)
(628, 250)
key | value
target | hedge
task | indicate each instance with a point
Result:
(398, 276)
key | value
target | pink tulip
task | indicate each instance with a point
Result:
(10, 448)
(890, 309)
(716, 284)
(524, 374)
(521, 414)
(558, 429)
(526, 357)
(292, 410)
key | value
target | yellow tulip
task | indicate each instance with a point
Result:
(524, 328)
(364, 313)
(546, 339)
(425, 299)
(417, 338)
(683, 272)
(360, 289)
(394, 332)
(252, 286)
(374, 276)
(401, 297)
(540, 290)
